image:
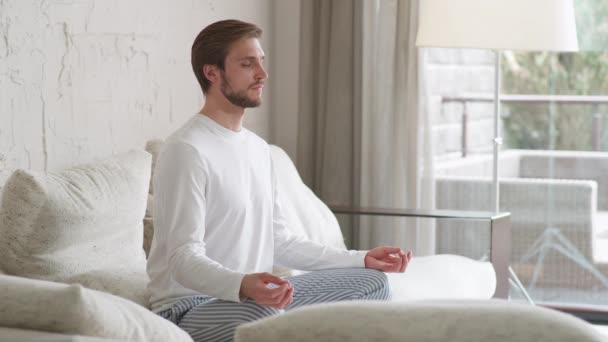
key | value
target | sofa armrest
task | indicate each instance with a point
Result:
(500, 232)
(431, 321)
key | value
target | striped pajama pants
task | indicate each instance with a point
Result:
(210, 319)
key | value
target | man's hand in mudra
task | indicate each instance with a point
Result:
(387, 259)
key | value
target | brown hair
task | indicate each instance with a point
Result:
(212, 44)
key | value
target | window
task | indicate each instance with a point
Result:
(553, 165)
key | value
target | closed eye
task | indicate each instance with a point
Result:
(250, 60)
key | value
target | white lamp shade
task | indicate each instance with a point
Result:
(529, 25)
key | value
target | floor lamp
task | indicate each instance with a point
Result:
(524, 25)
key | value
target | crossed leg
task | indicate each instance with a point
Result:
(211, 319)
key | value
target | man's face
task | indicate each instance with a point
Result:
(242, 79)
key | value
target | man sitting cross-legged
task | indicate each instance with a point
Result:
(219, 228)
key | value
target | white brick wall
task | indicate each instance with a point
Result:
(84, 79)
(457, 72)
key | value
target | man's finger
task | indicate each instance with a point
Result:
(269, 278)
(388, 250)
(396, 265)
(278, 292)
(391, 250)
(278, 301)
(392, 257)
(383, 266)
(404, 262)
(286, 299)
(290, 299)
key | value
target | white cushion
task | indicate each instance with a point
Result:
(4, 175)
(443, 277)
(455, 321)
(72, 309)
(153, 147)
(82, 225)
(306, 213)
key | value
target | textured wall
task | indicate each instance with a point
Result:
(84, 79)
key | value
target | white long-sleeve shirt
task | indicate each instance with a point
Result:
(217, 217)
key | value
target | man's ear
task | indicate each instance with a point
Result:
(211, 72)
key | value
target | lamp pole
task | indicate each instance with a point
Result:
(497, 138)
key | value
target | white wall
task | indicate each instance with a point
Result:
(285, 76)
(84, 79)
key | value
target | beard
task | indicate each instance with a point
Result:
(237, 98)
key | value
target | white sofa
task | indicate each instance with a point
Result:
(71, 248)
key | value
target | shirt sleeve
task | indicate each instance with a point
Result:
(180, 209)
(298, 252)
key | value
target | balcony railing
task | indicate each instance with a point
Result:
(506, 98)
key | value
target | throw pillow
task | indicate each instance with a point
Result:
(81, 225)
(306, 213)
(153, 147)
(4, 175)
(72, 309)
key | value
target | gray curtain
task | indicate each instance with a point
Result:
(363, 136)
(328, 107)
(326, 129)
